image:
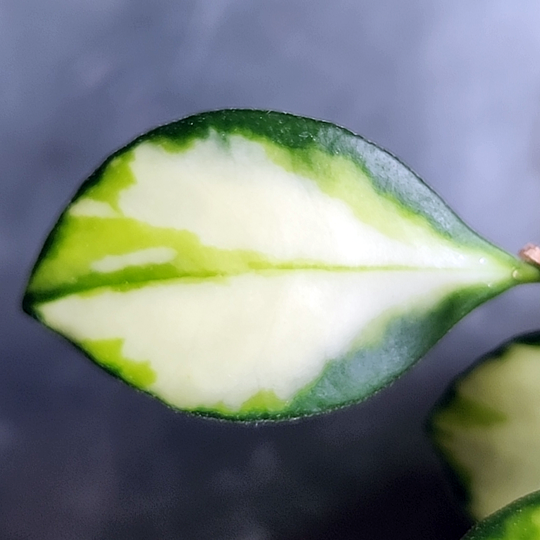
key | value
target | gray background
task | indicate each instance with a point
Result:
(453, 88)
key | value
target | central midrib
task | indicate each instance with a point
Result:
(59, 292)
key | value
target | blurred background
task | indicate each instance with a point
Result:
(453, 88)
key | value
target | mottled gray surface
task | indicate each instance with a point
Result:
(453, 88)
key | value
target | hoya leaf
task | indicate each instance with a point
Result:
(487, 427)
(520, 520)
(258, 265)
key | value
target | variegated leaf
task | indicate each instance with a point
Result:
(254, 265)
(487, 427)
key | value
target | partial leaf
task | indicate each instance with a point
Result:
(520, 520)
(253, 265)
(487, 427)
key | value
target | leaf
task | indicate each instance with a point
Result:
(486, 427)
(520, 520)
(258, 265)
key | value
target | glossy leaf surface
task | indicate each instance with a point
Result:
(487, 427)
(255, 265)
